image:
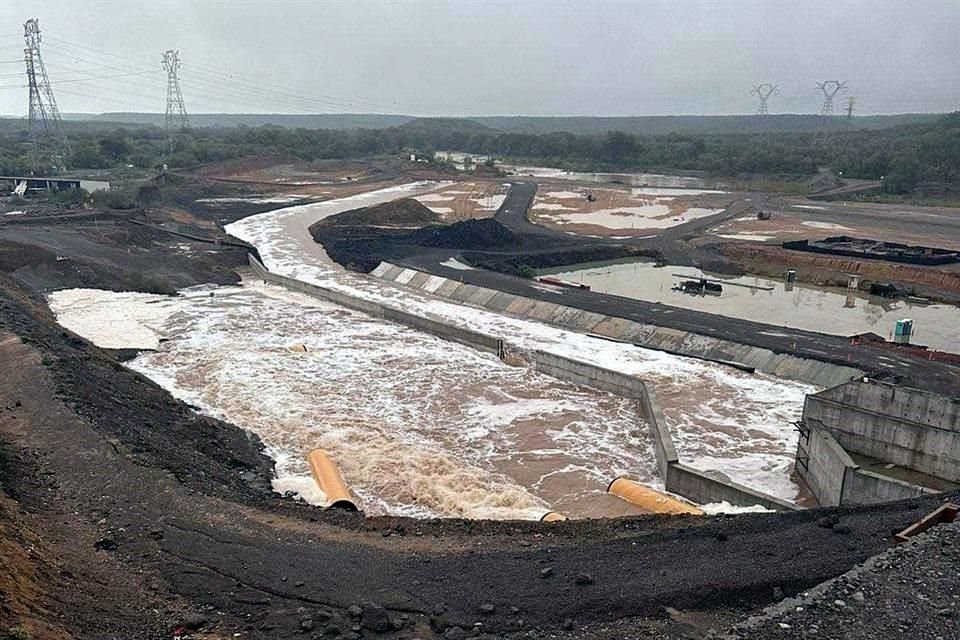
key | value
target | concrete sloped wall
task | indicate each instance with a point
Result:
(443, 330)
(908, 427)
(702, 487)
(699, 486)
(683, 343)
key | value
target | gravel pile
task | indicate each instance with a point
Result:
(910, 591)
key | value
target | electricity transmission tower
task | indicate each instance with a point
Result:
(176, 119)
(850, 102)
(764, 92)
(49, 146)
(830, 89)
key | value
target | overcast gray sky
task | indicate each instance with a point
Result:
(484, 57)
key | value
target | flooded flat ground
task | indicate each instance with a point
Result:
(623, 212)
(776, 302)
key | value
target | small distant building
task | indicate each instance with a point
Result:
(31, 184)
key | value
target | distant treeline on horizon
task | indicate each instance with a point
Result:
(636, 125)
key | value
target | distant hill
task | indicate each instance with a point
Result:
(292, 121)
(657, 125)
(431, 125)
(641, 125)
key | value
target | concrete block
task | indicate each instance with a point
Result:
(449, 288)
(433, 283)
(501, 301)
(586, 321)
(542, 311)
(417, 281)
(405, 276)
(520, 307)
(482, 296)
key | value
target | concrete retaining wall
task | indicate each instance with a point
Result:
(442, 330)
(866, 487)
(835, 479)
(699, 486)
(696, 485)
(683, 343)
(908, 427)
(823, 464)
(705, 487)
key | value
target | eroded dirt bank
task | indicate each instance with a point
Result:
(147, 515)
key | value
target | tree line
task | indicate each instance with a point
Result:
(904, 157)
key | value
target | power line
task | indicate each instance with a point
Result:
(227, 78)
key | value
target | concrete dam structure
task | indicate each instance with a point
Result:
(907, 443)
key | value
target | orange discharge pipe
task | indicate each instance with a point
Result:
(327, 476)
(553, 516)
(650, 499)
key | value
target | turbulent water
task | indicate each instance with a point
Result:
(421, 426)
(722, 418)
(418, 425)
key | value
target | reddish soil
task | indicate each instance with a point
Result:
(772, 261)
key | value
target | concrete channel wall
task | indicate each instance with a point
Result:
(443, 330)
(699, 486)
(835, 479)
(865, 487)
(823, 465)
(915, 429)
(683, 343)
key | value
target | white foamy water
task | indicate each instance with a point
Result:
(722, 418)
(418, 426)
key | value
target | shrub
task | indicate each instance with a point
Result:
(146, 283)
(115, 199)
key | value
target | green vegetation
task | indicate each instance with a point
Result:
(526, 271)
(115, 199)
(905, 157)
(136, 281)
(18, 633)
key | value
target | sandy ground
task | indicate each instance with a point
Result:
(281, 183)
(466, 200)
(797, 219)
(622, 212)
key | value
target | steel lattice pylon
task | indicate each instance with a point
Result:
(176, 119)
(49, 146)
(830, 89)
(764, 92)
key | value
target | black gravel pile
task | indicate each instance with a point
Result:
(911, 591)
(482, 234)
